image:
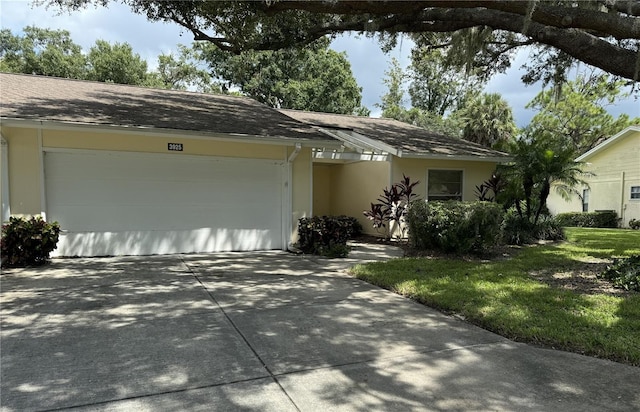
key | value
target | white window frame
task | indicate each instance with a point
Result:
(632, 192)
(586, 195)
(462, 173)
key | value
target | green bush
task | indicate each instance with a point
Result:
(28, 242)
(454, 226)
(327, 235)
(518, 230)
(548, 228)
(607, 218)
(634, 224)
(624, 273)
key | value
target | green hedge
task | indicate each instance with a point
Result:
(589, 219)
(454, 226)
(327, 235)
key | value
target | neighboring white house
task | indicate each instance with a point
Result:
(615, 183)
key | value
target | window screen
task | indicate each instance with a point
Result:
(444, 185)
(585, 200)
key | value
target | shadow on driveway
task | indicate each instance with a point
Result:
(266, 331)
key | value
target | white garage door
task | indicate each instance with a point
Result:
(137, 204)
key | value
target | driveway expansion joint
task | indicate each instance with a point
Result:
(239, 332)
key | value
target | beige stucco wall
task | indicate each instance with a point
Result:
(473, 173)
(25, 171)
(322, 193)
(301, 190)
(158, 144)
(615, 169)
(349, 189)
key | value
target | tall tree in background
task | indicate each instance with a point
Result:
(313, 78)
(42, 51)
(116, 63)
(600, 33)
(392, 105)
(437, 87)
(488, 120)
(182, 71)
(576, 113)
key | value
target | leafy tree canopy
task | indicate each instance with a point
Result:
(313, 77)
(576, 113)
(116, 63)
(42, 51)
(600, 33)
(393, 105)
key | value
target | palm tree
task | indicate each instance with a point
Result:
(541, 162)
(488, 121)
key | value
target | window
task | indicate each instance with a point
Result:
(444, 185)
(635, 192)
(585, 200)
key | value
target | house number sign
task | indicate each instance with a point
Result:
(175, 147)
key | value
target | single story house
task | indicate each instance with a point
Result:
(613, 179)
(129, 170)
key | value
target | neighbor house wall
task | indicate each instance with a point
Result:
(615, 169)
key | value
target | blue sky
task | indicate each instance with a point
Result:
(118, 24)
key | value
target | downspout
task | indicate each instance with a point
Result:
(289, 225)
(622, 205)
(4, 179)
(43, 193)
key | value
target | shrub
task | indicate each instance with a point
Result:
(624, 273)
(454, 226)
(327, 235)
(518, 230)
(28, 242)
(608, 218)
(634, 224)
(392, 206)
(548, 228)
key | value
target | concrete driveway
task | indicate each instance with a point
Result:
(266, 331)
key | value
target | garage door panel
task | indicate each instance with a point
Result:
(122, 203)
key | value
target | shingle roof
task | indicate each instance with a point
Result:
(411, 140)
(83, 102)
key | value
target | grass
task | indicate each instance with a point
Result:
(499, 295)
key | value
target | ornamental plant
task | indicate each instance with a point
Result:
(391, 209)
(28, 242)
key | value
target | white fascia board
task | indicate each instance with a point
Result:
(152, 131)
(494, 159)
(607, 142)
(359, 141)
(350, 156)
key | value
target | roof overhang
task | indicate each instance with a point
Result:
(360, 142)
(163, 132)
(609, 141)
(438, 156)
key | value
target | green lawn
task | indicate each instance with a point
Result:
(500, 296)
